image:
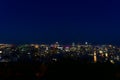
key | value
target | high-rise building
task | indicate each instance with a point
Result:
(56, 45)
(86, 43)
(95, 57)
(73, 44)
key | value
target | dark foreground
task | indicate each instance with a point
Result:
(62, 70)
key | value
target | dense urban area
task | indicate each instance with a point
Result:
(57, 52)
(43, 61)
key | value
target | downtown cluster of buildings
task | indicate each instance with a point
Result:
(57, 52)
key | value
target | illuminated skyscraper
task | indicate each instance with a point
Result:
(86, 43)
(95, 57)
(56, 45)
(73, 44)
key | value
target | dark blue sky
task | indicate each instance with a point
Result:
(27, 21)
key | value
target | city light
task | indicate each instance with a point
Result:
(57, 51)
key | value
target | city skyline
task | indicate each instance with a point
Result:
(57, 52)
(32, 21)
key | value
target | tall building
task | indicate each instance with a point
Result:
(56, 45)
(95, 56)
(86, 43)
(73, 44)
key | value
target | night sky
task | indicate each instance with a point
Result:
(36, 21)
